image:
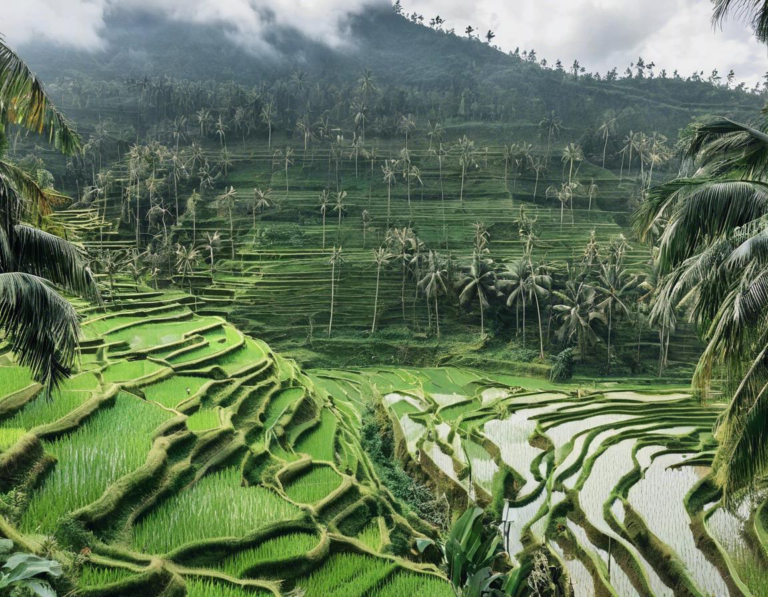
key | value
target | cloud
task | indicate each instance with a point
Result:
(80, 23)
(601, 34)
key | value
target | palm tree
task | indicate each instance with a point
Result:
(402, 242)
(286, 158)
(591, 191)
(552, 125)
(712, 254)
(755, 12)
(339, 206)
(466, 149)
(571, 154)
(478, 284)
(221, 130)
(227, 201)
(191, 210)
(390, 177)
(366, 218)
(110, 263)
(186, 260)
(613, 285)
(212, 243)
(39, 325)
(564, 194)
(367, 82)
(606, 129)
(324, 203)
(576, 312)
(381, 257)
(360, 112)
(335, 260)
(434, 283)
(268, 118)
(405, 125)
(204, 119)
(262, 200)
(539, 166)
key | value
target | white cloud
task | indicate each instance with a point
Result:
(80, 23)
(601, 34)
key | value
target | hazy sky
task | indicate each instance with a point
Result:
(675, 34)
(601, 34)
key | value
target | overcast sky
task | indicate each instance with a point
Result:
(601, 34)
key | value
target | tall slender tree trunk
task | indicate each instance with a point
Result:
(232, 234)
(323, 230)
(541, 331)
(376, 299)
(437, 317)
(610, 324)
(482, 319)
(461, 192)
(333, 296)
(605, 148)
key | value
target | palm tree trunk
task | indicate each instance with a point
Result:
(333, 290)
(482, 318)
(402, 290)
(376, 299)
(536, 186)
(323, 230)
(605, 148)
(610, 323)
(437, 317)
(541, 332)
(461, 192)
(232, 234)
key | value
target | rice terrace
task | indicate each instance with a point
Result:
(354, 299)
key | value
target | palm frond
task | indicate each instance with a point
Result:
(24, 102)
(48, 256)
(41, 327)
(23, 186)
(754, 12)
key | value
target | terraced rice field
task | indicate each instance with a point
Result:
(190, 459)
(616, 483)
(195, 461)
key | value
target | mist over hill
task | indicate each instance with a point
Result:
(472, 80)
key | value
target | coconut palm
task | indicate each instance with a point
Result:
(186, 260)
(478, 283)
(339, 207)
(539, 166)
(755, 12)
(226, 201)
(390, 177)
(572, 154)
(712, 254)
(212, 244)
(576, 312)
(366, 219)
(221, 130)
(191, 211)
(381, 257)
(606, 129)
(614, 284)
(39, 326)
(551, 124)
(268, 118)
(286, 158)
(336, 260)
(406, 125)
(433, 283)
(325, 197)
(262, 200)
(564, 194)
(591, 191)
(467, 154)
(360, 116)
(403, 243)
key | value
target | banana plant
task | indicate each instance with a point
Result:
(26, 570)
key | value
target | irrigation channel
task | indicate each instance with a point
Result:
(187, 456)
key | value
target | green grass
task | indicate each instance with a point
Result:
(346, 575)
(320, 442)
(209, 588)
(87, 464)
(404, 584)
(276, 548)
(170, 392)
(204, 419)
(313, 486)
(96, 576)
(216, 506)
